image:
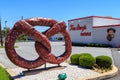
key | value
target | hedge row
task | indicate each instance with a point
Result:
(91, 44)
(88, 61)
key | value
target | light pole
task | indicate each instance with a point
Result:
(5, 23)
(22, 18)
(5, 28)
(1, 40)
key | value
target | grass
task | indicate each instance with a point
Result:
(4, 74)
(4, 46)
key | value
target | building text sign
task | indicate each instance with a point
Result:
(82, 28)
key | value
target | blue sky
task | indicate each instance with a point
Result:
(60, 10)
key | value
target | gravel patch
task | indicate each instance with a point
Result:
(73, 72)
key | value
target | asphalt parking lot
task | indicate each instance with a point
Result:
(27, 51)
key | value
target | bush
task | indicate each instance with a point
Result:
(78, 44)
(91, 44)
(86, 60)
(74, 59)
(87, 54)
(103, 61)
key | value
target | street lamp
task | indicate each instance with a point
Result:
(22, 18)
(5, 23)
(1, 40)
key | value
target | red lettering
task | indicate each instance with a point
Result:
(72, 27)
(85, 34)
(78, 27)
(82, 28)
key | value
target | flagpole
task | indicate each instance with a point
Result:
(1, 40)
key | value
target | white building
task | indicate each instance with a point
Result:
(57, 37)
(95, 29)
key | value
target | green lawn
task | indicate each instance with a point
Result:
(4, 75)
(4, 46)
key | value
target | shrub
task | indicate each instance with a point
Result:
(104, 61)
(97, 45)
(78, 44)
(91, 44)
(85, 54)
(74, 59)
(86, 60)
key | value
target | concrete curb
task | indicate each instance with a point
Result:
(105, 75)
(9, 71)
(2, 65)
(12, 73)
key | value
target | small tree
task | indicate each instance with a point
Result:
(5, 31)
(22, 38)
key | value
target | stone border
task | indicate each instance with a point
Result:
(9, 71)
(2, 65)
(105, 75)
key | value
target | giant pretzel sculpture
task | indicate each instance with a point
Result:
(42, 44)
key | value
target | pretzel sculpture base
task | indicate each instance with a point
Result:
(42, 43)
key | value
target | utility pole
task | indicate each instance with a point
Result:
(5, 24)
(22, 18)
(1, 39)
(5, 33)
